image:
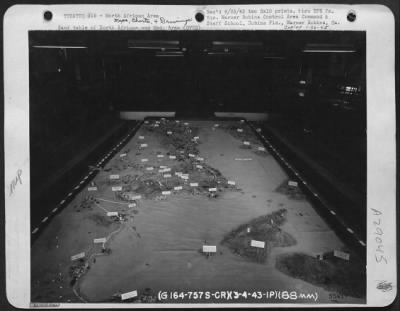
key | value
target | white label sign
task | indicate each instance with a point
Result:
(178, 173)
(166, 192)
(199, 159)
(150, 168)
(231, 182)
(194, 184)
(261, 149)
(160, 156)
(122, 155)
(247, 143)
(169, 132)
(243, 159)
(141, 137)
(172, 157)
(167, 175)
(212, 189)
(196, 137)
(100, 240)
(185, 177)
(199, 166)
(292, 183)
(258, 244)
(143, 145)
(117, 188)
(131, 205)
(209, 248)
(185, 123)
(92, 189)
(114, 176)
(78, 256)
(341, 254)
(129, 295)
(191, 155)
(216, 125)
(178, 188)
(110, 214)
(145, 160)
(240, 130)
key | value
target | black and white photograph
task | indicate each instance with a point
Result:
(200, 166)
(220, 161)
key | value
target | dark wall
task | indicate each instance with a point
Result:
(69, 109)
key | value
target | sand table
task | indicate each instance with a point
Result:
(141, 224)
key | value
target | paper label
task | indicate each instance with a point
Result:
(143, 145)
(239, 130)
(212, 189)
(112, 214)
(156, 125)
(216, 125)
(246, 143)
(122, 155)
(258, 244)
(114, 176)
(185, 123)
(191, 155)
(341, 254)
(160, 156)
(167, 175)
(169, 132)
(292, 183)
(129, 295)
(166, 192)
(194, 184)
(141, 137)
(172, 157)
(209, 248)
(145, 160)
(100, 240)
(199, 159)
(117, 188)
(261, 148)
(178, 188)
(184, 177)
(231, 182)
(243, 159)
(150, 168)
(78, 256)
(196, 137)
(92, 189)
(199, 166)
(131, 205)
(178, 173)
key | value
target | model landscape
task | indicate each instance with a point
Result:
(191, 205)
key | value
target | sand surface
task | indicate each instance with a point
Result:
(158, 245)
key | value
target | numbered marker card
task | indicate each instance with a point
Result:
(330, 67)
